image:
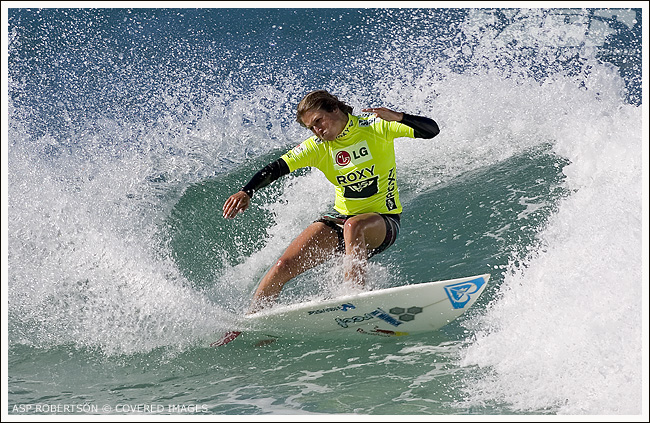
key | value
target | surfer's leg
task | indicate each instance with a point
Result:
(362, 233)
(316, 244)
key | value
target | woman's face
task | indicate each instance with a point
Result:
(325, 125)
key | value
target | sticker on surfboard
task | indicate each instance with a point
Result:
(461, 293)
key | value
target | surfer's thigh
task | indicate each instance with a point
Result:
(316, 244)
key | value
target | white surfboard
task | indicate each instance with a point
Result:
(398, 311)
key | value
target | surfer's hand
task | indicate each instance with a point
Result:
(385, 114)
(237, 203)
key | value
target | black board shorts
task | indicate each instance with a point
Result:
(336, 221)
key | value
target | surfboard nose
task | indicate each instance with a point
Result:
(225, 338)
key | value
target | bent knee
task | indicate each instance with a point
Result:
(353, 227)
(371, 230)
(288, 266)
(357, 227)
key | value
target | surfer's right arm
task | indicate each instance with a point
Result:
(239, 201)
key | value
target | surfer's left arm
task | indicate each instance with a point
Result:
(423, 127)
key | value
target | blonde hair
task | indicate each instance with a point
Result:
(320, 100)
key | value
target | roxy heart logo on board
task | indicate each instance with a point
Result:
(460, 293)
(355, 154)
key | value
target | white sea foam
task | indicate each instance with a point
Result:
(565, 333)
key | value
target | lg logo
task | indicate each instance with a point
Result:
(343, 158)
(356, 154)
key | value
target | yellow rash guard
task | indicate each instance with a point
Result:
(360, 163)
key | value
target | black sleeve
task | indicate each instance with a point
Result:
(265, 176)
(423, 127)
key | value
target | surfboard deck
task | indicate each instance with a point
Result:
(390, 312)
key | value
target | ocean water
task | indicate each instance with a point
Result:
(128, 128)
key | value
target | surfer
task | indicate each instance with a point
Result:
(356, 154)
